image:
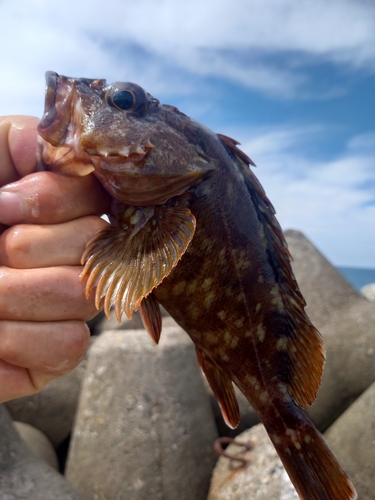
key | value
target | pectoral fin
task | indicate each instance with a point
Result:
(126, 264)
(222, 387)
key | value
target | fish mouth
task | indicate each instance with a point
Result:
(57, 108)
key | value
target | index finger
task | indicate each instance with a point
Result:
(49, 198)
(18, 141)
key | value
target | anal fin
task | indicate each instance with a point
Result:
(222, 387)
(151, 317)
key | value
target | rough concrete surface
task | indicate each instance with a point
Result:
(144, 426)
(352, 437)
(24, 477)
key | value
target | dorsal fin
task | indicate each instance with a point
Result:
(302, 343)
(231, 144)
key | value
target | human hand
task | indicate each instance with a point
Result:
(46, 220)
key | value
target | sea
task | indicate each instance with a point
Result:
(358, 277)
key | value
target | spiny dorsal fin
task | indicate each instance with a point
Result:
(222, 387)
(125, 265)
(303, 343)
(231, 144)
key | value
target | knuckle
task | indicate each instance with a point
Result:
(15, 246)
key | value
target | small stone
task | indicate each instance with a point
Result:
(37, 443)
(368, 291)
(263, 478)
(23, 476)
(352, 438)
(144, 427)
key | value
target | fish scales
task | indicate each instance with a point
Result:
(193, 230)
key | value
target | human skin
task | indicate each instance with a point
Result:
(46, 220)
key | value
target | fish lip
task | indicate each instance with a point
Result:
(50, 98)
(56, 118)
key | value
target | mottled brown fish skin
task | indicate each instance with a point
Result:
(225, 293)
(194, 230)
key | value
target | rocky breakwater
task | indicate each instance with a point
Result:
(141, 422)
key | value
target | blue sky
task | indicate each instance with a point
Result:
(293, 81)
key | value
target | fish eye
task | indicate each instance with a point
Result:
(124, 100)
(126, 97)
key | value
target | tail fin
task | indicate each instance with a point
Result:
(310, 464)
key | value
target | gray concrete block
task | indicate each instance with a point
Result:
(263, 478)
(352, 437)
(144, 426)
(323, 286)
(347, 322)
(37, 443)
(52, 410)
(350, 367)
(22, 476)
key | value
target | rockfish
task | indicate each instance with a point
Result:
(192, 229)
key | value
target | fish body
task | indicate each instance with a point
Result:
(193, 230)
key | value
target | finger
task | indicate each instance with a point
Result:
(33, 354)
(49, 198)
(47, 294)
(35, 246)
(18, 140)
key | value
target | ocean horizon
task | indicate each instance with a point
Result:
(357, 276)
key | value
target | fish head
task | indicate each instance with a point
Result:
(142, 152)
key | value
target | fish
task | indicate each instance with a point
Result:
(193, 230)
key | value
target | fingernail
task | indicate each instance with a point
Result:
(10, 208)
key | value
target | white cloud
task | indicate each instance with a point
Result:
(169, 46)
(332, 202)
(238, 41)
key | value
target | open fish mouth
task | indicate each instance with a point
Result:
(57, 108)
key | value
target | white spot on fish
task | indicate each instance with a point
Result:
(264, 396)
(222, 315)
(194, 312)
(261, 332)
(282, 344)
(258, 307)
(239, 322)
(207, 283)
(209, 298)
(222, 255)
(253, 382)
(192, 287)
(292, 433)
(234, 342)
(179, 288)
(276, 439)
(276, 299)
(223, 355)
